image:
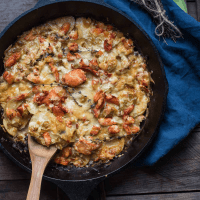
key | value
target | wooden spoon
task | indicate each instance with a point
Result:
(40, 156)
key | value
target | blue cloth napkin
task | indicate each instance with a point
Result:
(182, 66)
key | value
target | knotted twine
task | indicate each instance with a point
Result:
(165, 28)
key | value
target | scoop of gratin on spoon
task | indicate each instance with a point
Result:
(40, 156)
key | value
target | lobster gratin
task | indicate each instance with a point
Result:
(78, 84)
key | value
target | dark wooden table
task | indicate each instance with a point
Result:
(176, 176)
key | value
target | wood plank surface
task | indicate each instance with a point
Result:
(10, 9)
(173, 196)
(9, 171)
(17, 190)
(192, 9)
(176, 176)
(177, 172)
(198, 9)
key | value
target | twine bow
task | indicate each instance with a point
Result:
(165, 27)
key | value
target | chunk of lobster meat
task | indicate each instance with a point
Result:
(52, 97)
(58, 112)
(11, 113)
(22, 96)
(108, 45)
(22, 109)
(60, 55)
(85, 146)
(124, 47)
(47, 138)
(114, 129)
(74, 78)
(12, 59)
(54, 71)
(127, 128)
(112, 35)
(65, 27)
(5, 74)
(30, 36)
(109, 75)
(70, 57)
(62, 160)
(85, 67)
(99, 53)
(96, 112)
(39, 98)
(73, 46)
(95, 130)
(33, 78)
(106, 122)
(130, 129)
(135, 129)
(74, 35)
(128, 119)
(128, 110)
(112, 99)
(98, 95)
(100, 103)
(88, 69)
(94, 64)
(17, 55)
(41, 39)
(97, 31)
(66, 152)
(128, 43)
(8, 77)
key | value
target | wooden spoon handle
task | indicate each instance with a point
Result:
(38, 167)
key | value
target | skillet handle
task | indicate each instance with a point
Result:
(45, 2)
(79, 190)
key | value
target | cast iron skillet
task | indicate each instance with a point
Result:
(79, 182)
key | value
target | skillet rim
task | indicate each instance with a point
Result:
(161, 67)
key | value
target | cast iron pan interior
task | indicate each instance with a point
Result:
(123, 23)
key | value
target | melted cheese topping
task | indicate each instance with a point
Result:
(77, 84)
